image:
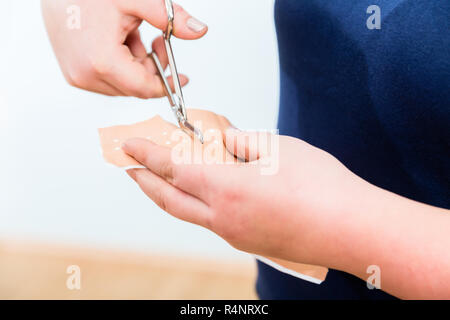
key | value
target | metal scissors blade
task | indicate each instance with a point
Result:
(177, 100)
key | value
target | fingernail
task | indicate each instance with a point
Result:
(195, 25)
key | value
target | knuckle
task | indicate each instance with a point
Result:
(145, 92)
(176, 177)
(160, 200)
(76, 79)
(166, 171)
(136, 93)
(210, 222)
(177, 9)
(100, 66)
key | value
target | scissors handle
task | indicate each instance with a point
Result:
(176, 79)
(170, 18)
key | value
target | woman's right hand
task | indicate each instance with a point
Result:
(98, 45)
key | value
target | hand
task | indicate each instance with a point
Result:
(313, 210)
(291, 214)
(106, 54)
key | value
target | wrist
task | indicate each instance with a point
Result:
(365, 227)
(344, 239)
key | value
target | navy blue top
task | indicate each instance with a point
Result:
(376, 99)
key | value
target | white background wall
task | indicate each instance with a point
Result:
(54, 185)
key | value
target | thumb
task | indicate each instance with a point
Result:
(154, 12)
(243, 145)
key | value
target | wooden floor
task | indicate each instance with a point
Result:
(32, 271)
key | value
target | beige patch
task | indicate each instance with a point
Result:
(166, 134)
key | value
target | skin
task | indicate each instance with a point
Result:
(314, 211)
(106, 55)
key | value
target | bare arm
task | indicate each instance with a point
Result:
(409, 242)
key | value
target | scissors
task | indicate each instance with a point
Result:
(176, 100)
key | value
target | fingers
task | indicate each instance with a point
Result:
(98, 86)
(172, 200)
(130, 72)
(130, 75)
(156, 158)
(135, 44)
(243, 145)
(106, 88)
(159, 48)
(154, 12)
(92, 83)
(192, 179)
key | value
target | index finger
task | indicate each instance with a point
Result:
(158, 159)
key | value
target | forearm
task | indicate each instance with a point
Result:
(407, 240)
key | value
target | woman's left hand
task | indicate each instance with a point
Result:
(291, 213)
